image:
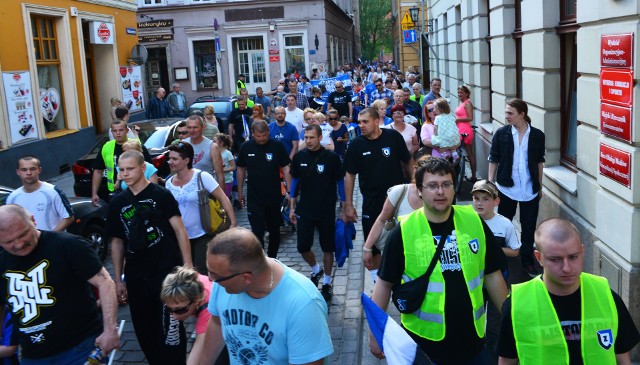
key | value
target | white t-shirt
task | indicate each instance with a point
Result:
(45, 204)
(394, 193)
(504, 231)
(187, 198)
(326, 134)
(295, 117)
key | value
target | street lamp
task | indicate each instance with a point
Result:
(415, 14)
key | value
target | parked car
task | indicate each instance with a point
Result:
(88, 221)
(154, 134)
(222, 106)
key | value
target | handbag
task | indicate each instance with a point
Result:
(213, 217)
(390, 224)
(408, 296)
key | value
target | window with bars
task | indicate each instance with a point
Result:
(294, 53)
(45, 48)
(204, 59)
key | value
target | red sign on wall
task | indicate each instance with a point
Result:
(274, 58)
(615, 164)
(616, 86)
(616, 50)
(616, 121)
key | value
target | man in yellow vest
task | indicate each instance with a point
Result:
(564, 316)
(449, 326)
(107, 160)
(240, 84)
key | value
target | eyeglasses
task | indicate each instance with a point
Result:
(181, 310)
(378, 85)
(333, 118)
(183, 132)
(433, 187)
(225, 278)
(281, 83)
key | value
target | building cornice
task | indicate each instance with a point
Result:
(118, 4)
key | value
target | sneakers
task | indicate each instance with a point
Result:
(315, 278)
(327, 292)
(531, 270)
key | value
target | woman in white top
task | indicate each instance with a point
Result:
(406, 197)
(184, 187)
(407, 130)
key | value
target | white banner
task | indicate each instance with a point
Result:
(132, 90)
(20, 108)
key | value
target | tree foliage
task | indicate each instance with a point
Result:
(375, 28)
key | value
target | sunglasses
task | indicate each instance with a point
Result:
(183, 132)
(338, 87)
(225, 278)
(430, 110)
(181, 310)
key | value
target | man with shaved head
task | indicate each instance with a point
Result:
(46, 281)
(564, 316)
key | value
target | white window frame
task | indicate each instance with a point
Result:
(230, 54)
(192, 63)
(141, 4)
(305, 46)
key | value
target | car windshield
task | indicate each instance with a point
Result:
(219, 107)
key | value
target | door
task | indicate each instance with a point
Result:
(156, 72)
(251, 63)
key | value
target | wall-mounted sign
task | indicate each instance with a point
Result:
(274, 52)
(101, 33)
(616, 86)
(274, 58)
(407, 23)
(409, 36)
(155, 38)
(273, 42)
(132, 31)
(161, 23)
(615, 164)
(20, 108)
(616, 121)
(132, 88)
(616, 50)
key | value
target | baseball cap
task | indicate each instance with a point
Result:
(485, 186)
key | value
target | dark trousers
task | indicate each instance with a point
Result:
(371, 208)
(161, 337)
(266, 217)
(528, 220)
(199, 252)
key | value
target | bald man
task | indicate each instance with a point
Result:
(46, 279)
(158, 106)
(340, 100)
(564, 316)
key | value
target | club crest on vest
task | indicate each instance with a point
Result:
(473, 245)
(320, 168)
(269, 156)
(386, 151)
(401, 303)
(605, 338)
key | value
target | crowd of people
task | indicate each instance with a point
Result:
(300, 149)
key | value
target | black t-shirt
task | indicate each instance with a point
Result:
(378, 162)
(318, 179)
(235, 118)
(460, 330)
(263, 164)
(568, 309)
(99, 164)
(52, 302)
(162, 252)
(340, 102)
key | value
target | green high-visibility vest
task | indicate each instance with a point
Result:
(537, 331)
(429, 321)
(109, 162)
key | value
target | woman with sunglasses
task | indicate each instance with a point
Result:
(185, 293)
(212, 126)
(407, 131)
(184, 187)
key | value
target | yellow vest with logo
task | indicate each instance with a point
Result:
(419, 248)
(536, 328)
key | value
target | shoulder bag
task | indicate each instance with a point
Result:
(408, 297)
(390, 224)
(213, 217)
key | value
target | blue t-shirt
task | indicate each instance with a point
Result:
(288, 326)
(285, 134)
(369, 88)
(264, 101)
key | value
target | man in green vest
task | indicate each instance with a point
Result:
(449, 326)
(564, 316)
(107, 160)
(240, 84)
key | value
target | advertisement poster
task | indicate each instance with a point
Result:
(20, 108)
(131, 84)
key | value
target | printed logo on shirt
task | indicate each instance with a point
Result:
(247, 338)
(27, 291)
(450, 257)
(198, 157)
(473, 245)
(38, 338)
(269, 156)
(366, 153)
(320, 168)
(386, 151)
(605, 338)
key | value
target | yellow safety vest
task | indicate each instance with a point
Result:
(536, 328)
(109, 162)
(419, 248)
(240, 85)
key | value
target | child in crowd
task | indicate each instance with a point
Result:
(224, 142)
(446, 133)
(357, 108)
(277, 99)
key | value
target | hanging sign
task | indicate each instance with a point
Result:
(101, 33)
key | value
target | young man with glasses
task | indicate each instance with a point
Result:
(340, 100)
(260, 307)
(450, 326)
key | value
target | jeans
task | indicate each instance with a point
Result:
(77, 355)
(528, 220)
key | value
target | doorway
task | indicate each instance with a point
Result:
(156, 71)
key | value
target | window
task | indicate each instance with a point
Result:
(47, 58)
(517, 37)
(567, 11)
(251, 61)
(204, 57)
(151, 2)
(569, 121)
(294, 53)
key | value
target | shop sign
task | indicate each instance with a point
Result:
(615, 164)
(101, 33)
(132, 31)
(616, 86)
(161, 23)
(274, 58)
(616, 121)
(155, 38)
(616, 50)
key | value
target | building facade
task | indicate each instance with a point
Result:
(407, 34)
(261, 40)
(572, 61)
(59, 60)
